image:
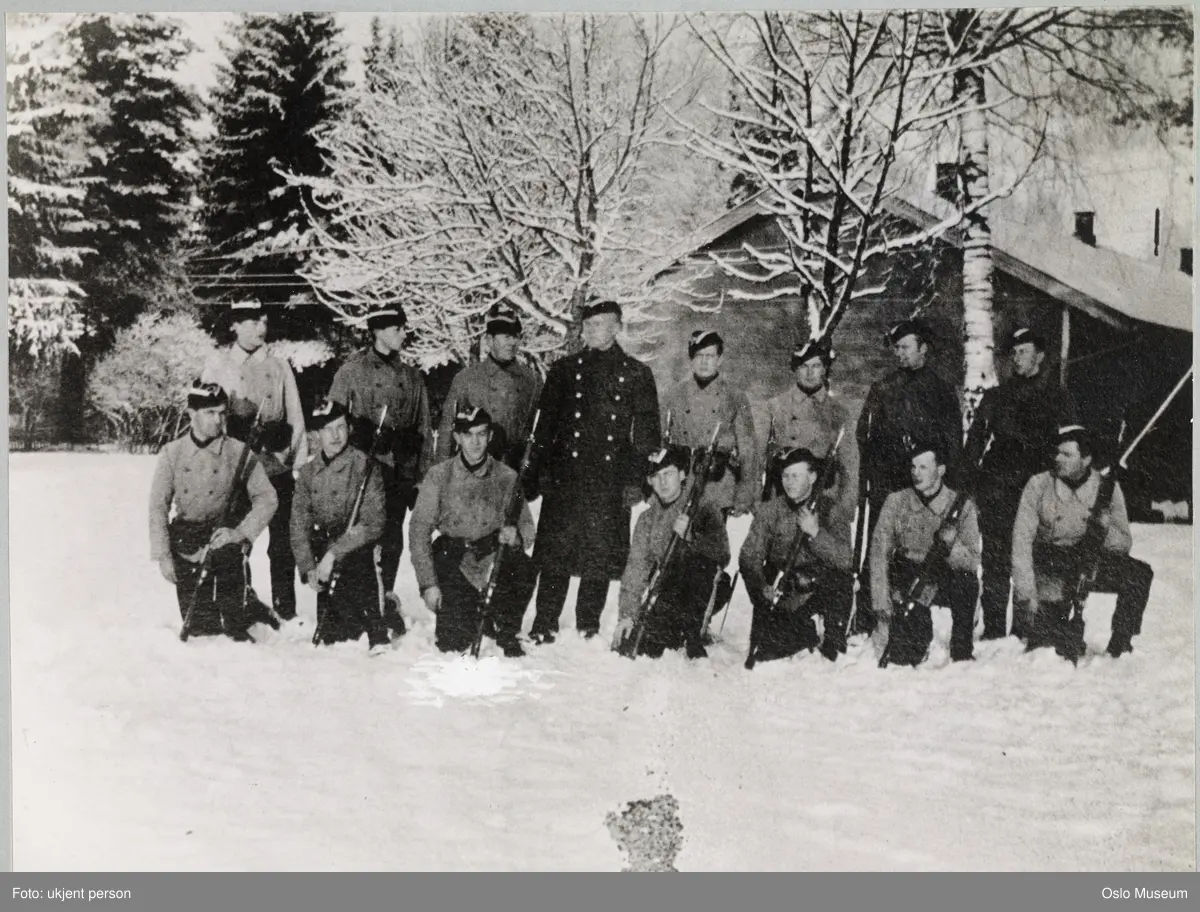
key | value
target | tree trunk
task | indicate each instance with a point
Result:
(979, 364)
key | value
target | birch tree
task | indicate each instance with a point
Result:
(831, 106)
(508, 158)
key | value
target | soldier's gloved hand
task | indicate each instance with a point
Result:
(325, 567)
(310, 580)
(632, 496)
(166, 567)
(681, 525)
(768, 593)
(509, 536)
(808, 522)
(432, 598)
(624, 628)
(224, 537)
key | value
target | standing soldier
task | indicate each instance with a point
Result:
(369, 380)
(324, 542)
(820, 583)
(196, 473)
(810, 417)
(464, 499)
(500, 384)
(693, 408)
(255, 380)
(1019, 416)
(1051, 520)
(908, 523)
(685, 590)
(912, 403)
(599, 422)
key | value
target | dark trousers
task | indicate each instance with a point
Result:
(679, 610)
(222, 605)
(279, 548)
(552, 596)
(997, 513)
(1127, 577)
(909, 636)
(458, 617)
(355, 604)
(398, 497)
(789, 627)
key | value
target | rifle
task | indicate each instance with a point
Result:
(658, 575)
(924, 586)
(352, 521)
(860, 537)
(1091, 546)
(670, 425)
(226, 517)
(512, 516)
(798, 543)
(769, 459)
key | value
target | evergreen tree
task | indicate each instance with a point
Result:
(47, 118)
(282, 85)
(139, 181)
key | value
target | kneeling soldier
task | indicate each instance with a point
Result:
(1051, 521)
(327, 548)
(687, 584)
(212, 530)
(820, 583)
(903, 537)
(464, 499)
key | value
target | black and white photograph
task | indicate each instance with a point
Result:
(602, 441)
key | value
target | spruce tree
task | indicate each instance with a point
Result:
(282, 84)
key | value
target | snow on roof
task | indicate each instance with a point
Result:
(1103, 283)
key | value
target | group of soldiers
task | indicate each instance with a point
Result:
(845, 514)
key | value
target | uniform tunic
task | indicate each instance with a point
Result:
(374, 381)
(197, 479)
(600, 421)
(903, 408)
(253, 379)
(651, 536)
(464, 505)
(508, 392)
(692, 410)
(907, 527)
(813, 421)
(325, 495)
(774, 530)
(1051, 513)
(1021, 417)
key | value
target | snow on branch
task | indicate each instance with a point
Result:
(506, 158)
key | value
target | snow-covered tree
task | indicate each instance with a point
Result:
(829, 107)
(140, 177)
(519, 158)
(281, 85)
(48, 113)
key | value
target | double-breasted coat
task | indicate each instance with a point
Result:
(600, 421)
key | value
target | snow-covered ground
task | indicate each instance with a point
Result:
(133, 751)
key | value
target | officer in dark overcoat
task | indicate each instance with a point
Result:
(599, 423)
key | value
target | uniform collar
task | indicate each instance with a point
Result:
(702, 385)
(1084, 487)
(239, 355)
(483, 471)
(935, 503)
(214, 443)
(819, 396)
(326, 463)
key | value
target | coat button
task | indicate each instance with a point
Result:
(608, 459)
(574, 454)
(610, 437)
(614, 417)
(618, 397)
(577, 415)
(580, 396)
(577, 434)
(579, 376)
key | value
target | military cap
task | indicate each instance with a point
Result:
(921, 445)
(797, 455)
(502, 318)
(915, 327)
(467, 418)
(245, 310)
(1024, 334)
(387, 316)
(670, 455)
(600, 306)
(206, 395)
(813, 348)
(1075, 432)
(326, 412)
(704, 338)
